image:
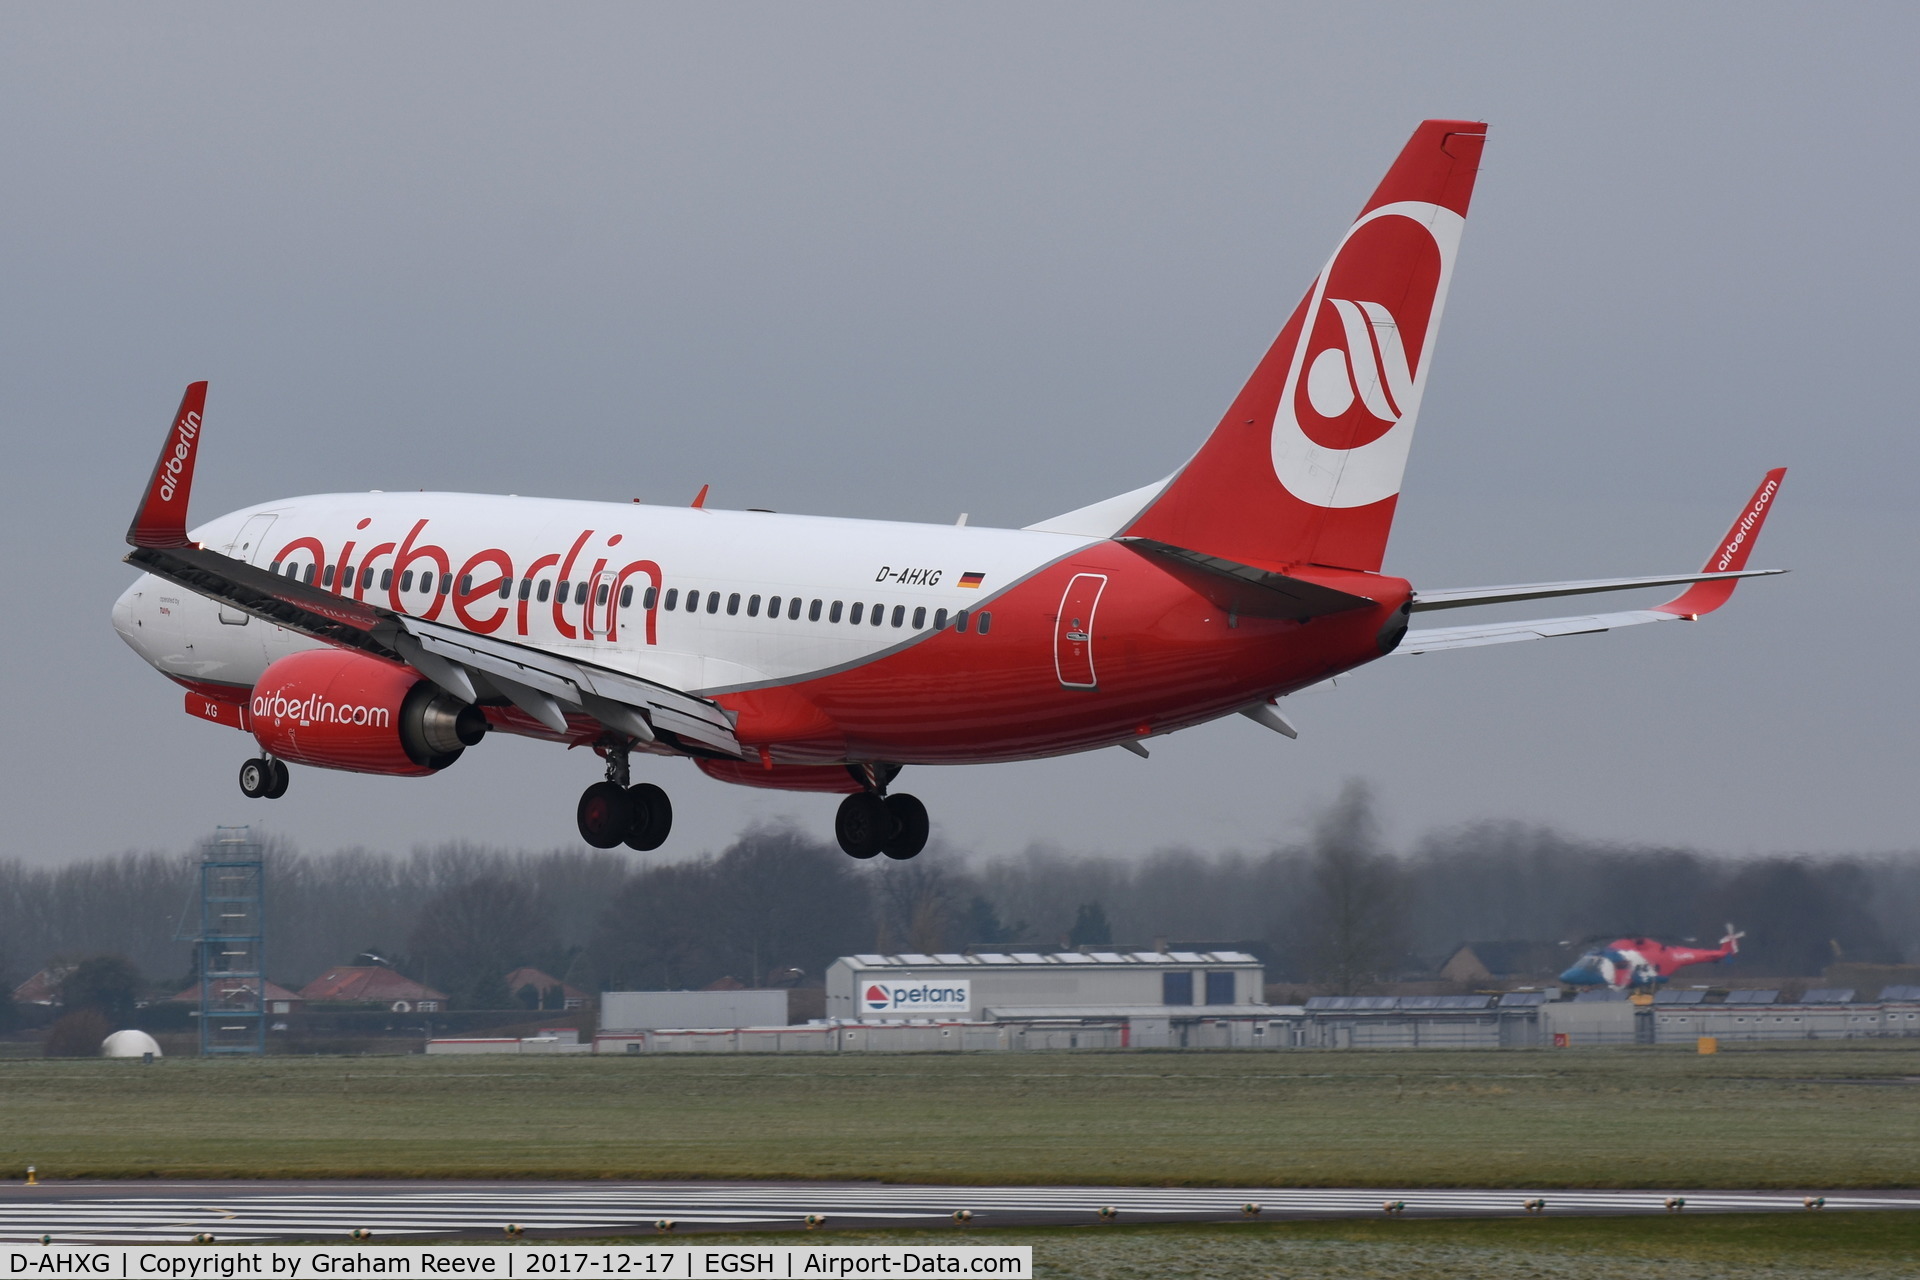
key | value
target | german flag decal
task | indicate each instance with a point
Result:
(972, 579)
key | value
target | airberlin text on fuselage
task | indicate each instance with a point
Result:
(478, 604)
(314, 709)
(182, 450)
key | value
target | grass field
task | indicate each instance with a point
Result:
(1761, 1116)
(1856, 1246)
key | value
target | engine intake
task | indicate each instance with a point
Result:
(341, 710)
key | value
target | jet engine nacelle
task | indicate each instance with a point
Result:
(343, 710)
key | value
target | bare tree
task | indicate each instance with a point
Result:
(1353, 922)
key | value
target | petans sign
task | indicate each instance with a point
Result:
(944, 996)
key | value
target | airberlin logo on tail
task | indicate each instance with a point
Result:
(176, 461)
(923, 997)
(1745, 528)
(1346, 414)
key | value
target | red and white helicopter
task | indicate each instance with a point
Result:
(388, 632)
(1634, 963)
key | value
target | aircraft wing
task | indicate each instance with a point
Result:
(1709, 589)
(544, 685)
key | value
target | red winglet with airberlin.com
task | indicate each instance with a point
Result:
(1705, 597)
(162, 521)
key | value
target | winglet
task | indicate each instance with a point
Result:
(700, 499)
(162, 518)
(1731, 555)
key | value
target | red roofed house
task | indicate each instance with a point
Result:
(373, 984)
(544, 982)
(43, 988)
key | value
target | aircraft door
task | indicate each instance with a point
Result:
(246, 547)
(601, 605)
(1073, 631)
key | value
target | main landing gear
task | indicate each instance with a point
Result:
(612, 812)
(263, 778)
(870, 823)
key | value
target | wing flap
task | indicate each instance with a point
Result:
(1436, 639)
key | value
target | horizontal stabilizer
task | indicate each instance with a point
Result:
(1272, 595)
(1465, 597)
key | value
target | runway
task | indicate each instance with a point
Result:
(161, 1212)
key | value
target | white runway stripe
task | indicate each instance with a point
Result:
(234, 1213)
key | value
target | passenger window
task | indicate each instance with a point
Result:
(446, 583)
(853, 615)
(274, 568)
(673, 596)
(773, 606)
(506, 588)
(326, 576)
(386, 579)
(646, 601)
(986, 620)
(626, 597)
(879, 614)
(920, 617)
(406, 580)
(560, 593)
(733, 604)
(600, 595)
(939, 619)
(580, 594)
(960, 622)
(833, 612)
(753, 606)
(813, 612)
(693, 602)
(466, 584)
(526, 587)
(713, 602)
(307, 577)
(546, 589)
(899, 615)
(793, 609)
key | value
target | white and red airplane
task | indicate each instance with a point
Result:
(387, 632)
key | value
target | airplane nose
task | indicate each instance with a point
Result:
(131, 612)
(1580, 975)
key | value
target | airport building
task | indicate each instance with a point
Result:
(991, 986)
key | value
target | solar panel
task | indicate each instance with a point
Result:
(993, 957)
(1463, 1002)
(1900, 995)
(914, 957)
(1828, 995)
(1321, 1002)
(1752, 995)
(1028, 957)
(1670, 996)
(1072, 957)
(1108, 957)
(1234, 957)
(947, 957)
(1150, 957)
(1376, 1002)
(873, 960)
(1189, 957)
(1523, 999)
(1599, 995)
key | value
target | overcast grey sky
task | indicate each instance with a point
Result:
(904, 261)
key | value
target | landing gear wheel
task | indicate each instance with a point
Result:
(910, 816)
(652, 817)
(256, 778)
(864, 825)
(278, 787)
(605, 815)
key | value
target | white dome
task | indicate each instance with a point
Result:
(129, 1044)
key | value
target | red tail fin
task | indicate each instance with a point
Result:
(1306, 465)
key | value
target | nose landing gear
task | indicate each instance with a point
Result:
(612, 812)
(263, 778)
(869, 824)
